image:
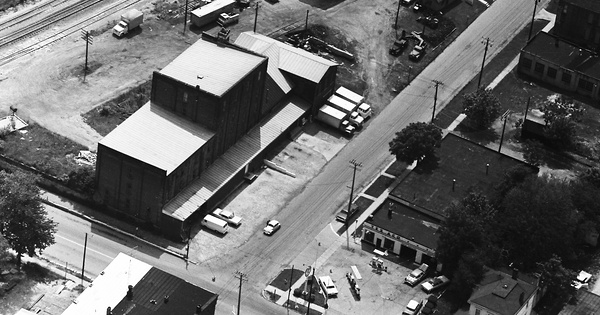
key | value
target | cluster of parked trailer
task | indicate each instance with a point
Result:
(345, 110)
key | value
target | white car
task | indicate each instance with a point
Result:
(272, 227)
(227, 216)
(434, 283)
(583, 278)
(416, 275)
(328, 286)
(412, 308)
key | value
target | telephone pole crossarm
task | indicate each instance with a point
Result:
(243, 277)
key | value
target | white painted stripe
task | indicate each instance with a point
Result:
(81, 245)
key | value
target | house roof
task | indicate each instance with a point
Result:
(592, 5)
(158, 137)
(460, 160)
(234, 159)
(501, 294)
(399, 218)
(215, 68)
(587, 303)
(110, 288)
(290, 59)
(564, 54)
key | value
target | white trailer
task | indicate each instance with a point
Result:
(363, 109)
(336, 119)
(347, 107)
(215, 224)
(211, 12)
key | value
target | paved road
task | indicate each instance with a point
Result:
(307, 214)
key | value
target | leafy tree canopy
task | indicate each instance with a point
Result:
(23, 219)
(561, 133)
(481, 107)
(557, 278)
(416, 142)
(538, 220)
(560, 107)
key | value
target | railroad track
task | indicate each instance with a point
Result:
(29, 13)
(45, 22)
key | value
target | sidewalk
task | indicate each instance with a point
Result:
(109, 222)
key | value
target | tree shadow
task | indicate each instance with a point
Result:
(322, 4)
(428, 165)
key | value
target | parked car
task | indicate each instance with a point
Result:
(434, 283)
(418, 51)
(407, 2)
(417, 7)
(398, 46)
(430, 21)
(328, 286)
(412, 308)
(272, 227)
(416, 275)
(228, 216)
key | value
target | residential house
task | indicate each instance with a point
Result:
(499, 293)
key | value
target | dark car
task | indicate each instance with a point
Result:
(430, 21)
(398, 47)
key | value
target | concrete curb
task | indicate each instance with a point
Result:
(88, 218)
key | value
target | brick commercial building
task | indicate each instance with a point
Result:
(212, 116)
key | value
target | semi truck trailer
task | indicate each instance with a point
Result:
(336, 119)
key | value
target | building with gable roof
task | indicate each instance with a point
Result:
(501, 294)
(130, 286)
(214, 113)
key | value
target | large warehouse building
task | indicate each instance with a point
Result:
(214, 112)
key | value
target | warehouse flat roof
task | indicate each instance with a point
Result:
(215, 68)
(233, 160)
(564, 54)
(157, 137)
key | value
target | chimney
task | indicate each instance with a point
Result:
(130, 292)
(515, 273)
(453, 184)
(109, 311)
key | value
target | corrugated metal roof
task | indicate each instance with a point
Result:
(157, 137)
(291, 59)
(215, 68)
(221, 171)
(271, 50)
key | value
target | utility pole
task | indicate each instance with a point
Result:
(535, 2)
(355, 165)
(310, 291)
(185, 16)
(290, 287)
(397, 13)
(437, 83)
(84, 251)
(87, 37)
(526, 109)
(243, 277)
(306, 22)
(255, 17)
(505, 118)
(487, 44)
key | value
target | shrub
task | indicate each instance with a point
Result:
(298, 292)
(82, 179)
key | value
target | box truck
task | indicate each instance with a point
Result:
(346, 107)
(211, 12)
(215, 224)
(363, 109)
(129, 20)
(336, 119)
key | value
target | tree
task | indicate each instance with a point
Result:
(481, 107)
(533, 152)
(561, 133)
(557, 279)
(561, 108)
(512, 177)
(23, 219)
(538, 220)
(4, 254)
(466, 230)
(416, 142)
(591, 176)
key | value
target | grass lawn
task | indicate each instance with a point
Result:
(396, 168)
(282, 281)
(362, 203)
(315, 289)
(379, 186)
(42, 149)
(108, 116)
